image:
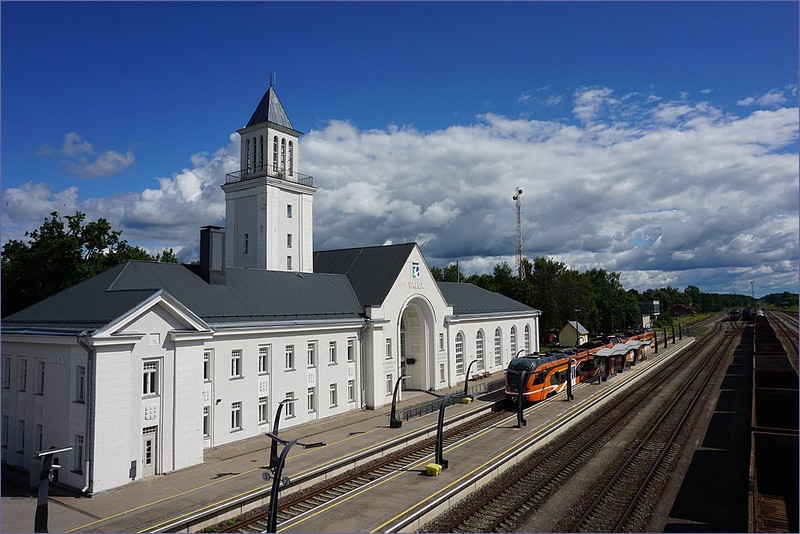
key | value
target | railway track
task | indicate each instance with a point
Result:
(505, 504)
(305, 501)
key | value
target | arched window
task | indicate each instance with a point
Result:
(291, 158)
(513, 341)
(479, 350)
(283, 155)
(498, 347)
(261, 152)
(459, 353)
(255, 153)
(247, 152)
(527, 339)
(275, 153)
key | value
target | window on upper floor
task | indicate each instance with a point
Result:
(236, 363)
(80, 383)
(150, 378)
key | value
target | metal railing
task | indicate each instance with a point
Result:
(424, 408)
(270, 172)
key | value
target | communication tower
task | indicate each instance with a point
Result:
(519, 254)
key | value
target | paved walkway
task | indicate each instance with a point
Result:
(229, 472)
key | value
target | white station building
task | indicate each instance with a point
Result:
(143, 367)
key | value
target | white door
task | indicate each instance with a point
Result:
(149, 447)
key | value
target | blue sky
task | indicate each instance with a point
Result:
(658, 140)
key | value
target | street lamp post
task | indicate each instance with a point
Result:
(394, 422)
(439, 457)
(45, 477)
(276, 475)
(466, 378)
(523, 379)
(273, 452)
(569, 379)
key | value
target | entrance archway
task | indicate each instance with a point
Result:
(416, 342)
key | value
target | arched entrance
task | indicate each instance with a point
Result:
(416, 342)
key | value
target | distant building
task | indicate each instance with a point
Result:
(143, 367)
(679, 310)
(573, 334)
(650, 310)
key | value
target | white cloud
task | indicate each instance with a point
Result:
(80, 158)
(666, 193)
(771, 98)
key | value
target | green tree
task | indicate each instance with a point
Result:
(58, 255)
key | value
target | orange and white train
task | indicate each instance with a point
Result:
(546, 375)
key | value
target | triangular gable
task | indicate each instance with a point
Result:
(187, 318)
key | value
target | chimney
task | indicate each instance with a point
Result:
(212, 254)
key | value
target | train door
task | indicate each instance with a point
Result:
(149, 449)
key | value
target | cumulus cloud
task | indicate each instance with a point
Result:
(80, 158)
(773, 98)
(664, 192)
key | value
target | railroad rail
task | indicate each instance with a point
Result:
(306, 500)
(504, 504)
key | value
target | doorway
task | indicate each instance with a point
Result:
(149, 449)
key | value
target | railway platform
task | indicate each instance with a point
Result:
(162, 502)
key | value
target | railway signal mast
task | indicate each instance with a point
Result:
(519, 255)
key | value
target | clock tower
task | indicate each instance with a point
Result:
(268, 203)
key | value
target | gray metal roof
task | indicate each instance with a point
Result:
(469, 299)
(581, 329)
(372, 270)
(270, 110)
(249, 295)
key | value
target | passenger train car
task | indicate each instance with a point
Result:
(546, 375)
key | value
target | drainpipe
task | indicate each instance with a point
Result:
(90, 373)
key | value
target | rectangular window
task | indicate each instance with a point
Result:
(288, 240)
(351, 350)
(39, 437)
(21, 435)
(207, 366)
(441, 373)
(236, 363)
(389, 384)
(289, 357)
(311, 400)
(288, 211)
(23, 374)
(334, 395)
(262, 411)
(264, 356)
(80, 384)
(441, 341)
(7, 372)
(206, 422)
(77, 454)
(332, 358)
(40, 367)
(388, 348)
(351, 391)
(312, 353)
(236, 416)
(5, 430)
(288, 263)
(290, 405)
(246, 243)
(150, 378)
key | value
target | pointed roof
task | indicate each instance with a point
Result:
(249, 295)
(270, 110)
(372, 270)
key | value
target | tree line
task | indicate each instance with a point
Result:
(595, 298)
(66, 250)
(60, 253)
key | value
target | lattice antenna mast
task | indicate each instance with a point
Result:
(519, 254)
